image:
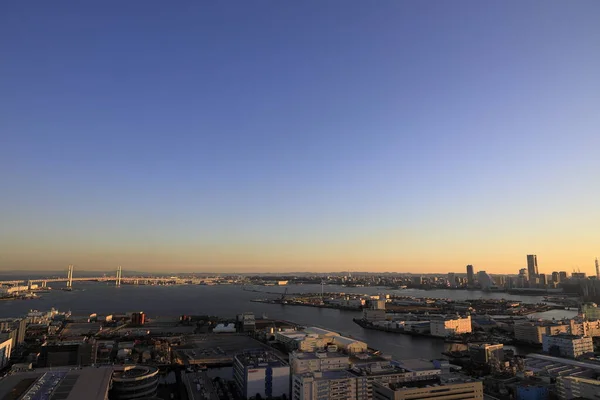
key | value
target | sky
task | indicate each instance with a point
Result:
(339, 135)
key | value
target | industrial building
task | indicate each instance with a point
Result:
(450, 326)
(260, 372)
(349, 345)
(447, 388)
(564, 345)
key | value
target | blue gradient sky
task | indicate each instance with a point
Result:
(314, 135)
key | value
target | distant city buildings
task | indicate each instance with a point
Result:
(470, 275)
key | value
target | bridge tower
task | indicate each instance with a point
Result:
(119, 272)
(70, 277)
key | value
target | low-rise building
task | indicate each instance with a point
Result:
(569, 387)
(483, 353)
(349, 345)
(590, 311)
(533, 332)
(261, 373)
(444, 388)
(373, 315)
(451, 326)
(564, 345)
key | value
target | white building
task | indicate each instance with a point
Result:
(5, 350)
(263, 373)
(571, 346)
(329, 385)
(321, 361)
(349, 345)
(450, 326)
(357, 383)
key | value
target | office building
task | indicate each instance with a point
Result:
(130, 382)
(532, 266)
(89, 383)
(533, 332)
(483, 353)
(138, 318)
(330, 385)
(555, 277)
(357, 382)
(451, 388)
(321, 361)
(571, 387)
(5, 350)
(261, 373)
(450, 326)
(470, 275)
(565, 345)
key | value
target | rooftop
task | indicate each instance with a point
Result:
(68, 384)
(259, 358)
(416, 364)
(320, 331)
(318, 354)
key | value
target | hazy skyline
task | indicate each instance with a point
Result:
(318, 136)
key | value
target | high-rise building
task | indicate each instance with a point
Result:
(563, 276)
(532, 266)
(543, 281)
(485, 280)
(555, 277)
(470, 275)
(138, 318)
(451, 279)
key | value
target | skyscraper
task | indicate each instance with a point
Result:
(470, 275)
(532, 267)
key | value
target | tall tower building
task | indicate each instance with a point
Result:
(532, 267)
(470, 275)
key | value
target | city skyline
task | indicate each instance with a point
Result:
(264, 137)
